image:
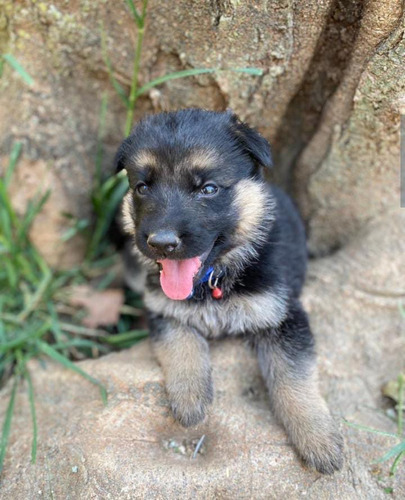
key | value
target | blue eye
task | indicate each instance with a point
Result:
(141, 188)
(209, 190)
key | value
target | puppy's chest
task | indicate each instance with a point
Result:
(216, 318)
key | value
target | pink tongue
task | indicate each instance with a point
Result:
(176, 277)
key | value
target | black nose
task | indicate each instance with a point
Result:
(164, 241)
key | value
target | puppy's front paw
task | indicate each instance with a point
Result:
(322, 446)
(189, 400)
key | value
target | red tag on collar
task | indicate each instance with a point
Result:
(217, 293)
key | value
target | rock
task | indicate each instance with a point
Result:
(30, 181)
(132, 448)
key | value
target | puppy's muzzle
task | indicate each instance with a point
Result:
(164, 242)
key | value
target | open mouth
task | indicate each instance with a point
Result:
(177, 277)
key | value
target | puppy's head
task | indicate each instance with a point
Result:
(196, 195)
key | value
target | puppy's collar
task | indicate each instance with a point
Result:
(212, 281)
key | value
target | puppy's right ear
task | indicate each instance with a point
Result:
(120, 160)
(254, 143)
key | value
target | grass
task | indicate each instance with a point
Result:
(397, 452)
(33, 300)
(36, 318)
(16, 66)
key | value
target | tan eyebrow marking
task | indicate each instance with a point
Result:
(203, 159)
(145, 158)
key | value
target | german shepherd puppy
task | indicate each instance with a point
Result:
(225, 255)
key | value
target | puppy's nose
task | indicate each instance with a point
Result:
(164, 241)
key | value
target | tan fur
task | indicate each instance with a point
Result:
(203, 159)
(145, 158)
(256, 211)
(299, 406)
(251, 203)
(184, 358)
(231, 317)
(127, 213)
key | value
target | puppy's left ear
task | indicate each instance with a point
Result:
(254, 143)
(121, 155)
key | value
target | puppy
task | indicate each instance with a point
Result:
(225, 255)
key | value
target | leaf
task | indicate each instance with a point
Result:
(12, 61)
(103, 306)
(7, 423)
(194, 72)
(392, 389)
(56, 356)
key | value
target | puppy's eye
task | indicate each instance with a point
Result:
(141, 188)
(209, 189)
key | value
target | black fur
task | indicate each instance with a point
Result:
(253, 237)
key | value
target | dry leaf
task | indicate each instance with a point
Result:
(103, 306)
(391, 388)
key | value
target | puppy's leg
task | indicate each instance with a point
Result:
(184, 357)
(287, 360)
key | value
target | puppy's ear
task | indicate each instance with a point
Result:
(121, 155)
(254, 143)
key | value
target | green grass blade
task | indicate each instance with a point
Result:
(104, 52)
(369, 429)
(12, 61)
(27, 376)
(100, 137)
(7, 423)
(90, 344)
(110, 204)
(173, 76)
(247, 71)
(3, 337)
(396, 463)
(194, 72)
(33, 209)
(56, 356)
(125, 337)
(55, 324)
(393, 452)
(401, 390)
(8, 215)
(37, 297)
(137, 17)
(14, 156)
(23, 339)
(11, 274)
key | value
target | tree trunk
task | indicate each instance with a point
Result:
(328, 99)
